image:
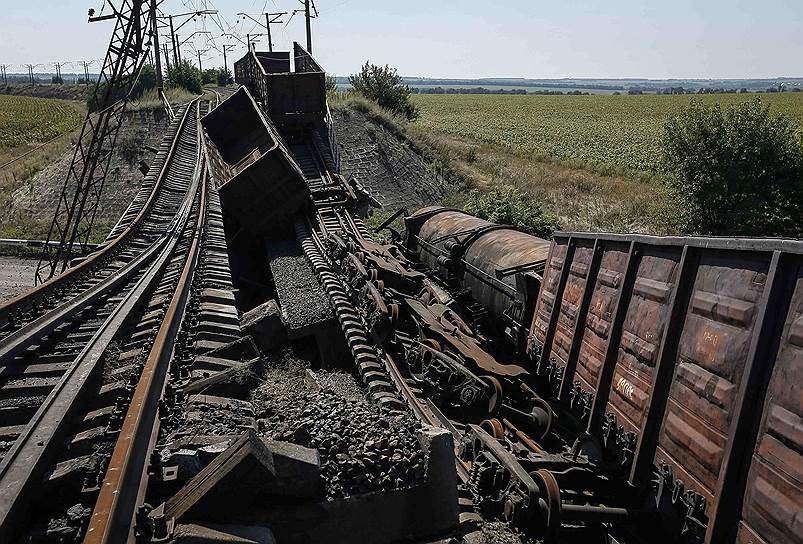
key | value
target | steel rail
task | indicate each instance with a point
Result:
(126, 475)
(23, 464)
(125, 482)
(29, 299)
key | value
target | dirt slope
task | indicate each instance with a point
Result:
(394, 174)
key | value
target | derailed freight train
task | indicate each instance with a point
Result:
(644, 386)
(679, 360)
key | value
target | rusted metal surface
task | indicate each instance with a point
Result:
(485, 258)
(675, 384)
(262, 185)
(774, 499)
(288, 96)
(712, 353)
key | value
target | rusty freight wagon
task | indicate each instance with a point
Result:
(683, 357)
(292, 91)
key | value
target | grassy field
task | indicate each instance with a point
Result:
(33, 133)
(25, 120)
(610, 134)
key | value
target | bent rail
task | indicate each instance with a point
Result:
(32, 300)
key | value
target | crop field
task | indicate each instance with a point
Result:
(25, 120)
(609, 133)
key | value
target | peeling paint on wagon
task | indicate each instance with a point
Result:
(483, 257)
(693, 356)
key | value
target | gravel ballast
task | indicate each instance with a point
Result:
(301, 298)
(363, 448)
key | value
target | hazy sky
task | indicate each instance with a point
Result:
(469, 38)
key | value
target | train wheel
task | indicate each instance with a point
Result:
(494, 428)
(393, 313)
(550, 491)
(495, 400)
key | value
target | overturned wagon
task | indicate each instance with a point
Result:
(498, 265)
(261, 183)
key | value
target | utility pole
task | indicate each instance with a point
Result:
(308, 16)
(86, 72)
(225, 61)
(173, 38)
(165, 49)
(5, 79)
(272, 19)
(173, 29)
(309, 26)
(200, 68)
(155, 42)
(58, 72)
(30, 73)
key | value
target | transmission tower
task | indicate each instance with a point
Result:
(83, 186)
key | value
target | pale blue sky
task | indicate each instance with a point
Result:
(473, 38)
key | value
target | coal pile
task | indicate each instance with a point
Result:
(363, 448)
(301, 297)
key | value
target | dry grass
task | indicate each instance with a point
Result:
(150, 100)
(580, 198)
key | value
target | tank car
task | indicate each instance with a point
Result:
(499, 267)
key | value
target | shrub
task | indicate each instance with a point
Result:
(510, 206)
(186, 76)
(224, 77)
(145, 82)
(383, 85)
(331, 84)
(217, 76)
(737, 171)
(209, 76)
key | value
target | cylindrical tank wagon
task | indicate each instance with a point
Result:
(497, 265)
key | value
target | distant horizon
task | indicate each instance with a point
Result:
(503, 78)
(470, 39)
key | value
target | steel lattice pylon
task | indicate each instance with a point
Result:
(83, 186)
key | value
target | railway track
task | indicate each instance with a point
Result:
(379, 371)
(84, 356)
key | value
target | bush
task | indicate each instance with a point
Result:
(209, 76)
(734, 172)
(145, 82)
(217, 76)
(383, 85)
(331, 84)
(186, 76)
(510, 206)
(224, 77)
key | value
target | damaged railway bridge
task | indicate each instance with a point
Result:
(594, 388)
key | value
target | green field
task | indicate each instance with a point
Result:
(608, 133)
(25, 120)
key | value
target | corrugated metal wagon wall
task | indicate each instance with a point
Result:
(683, 357)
